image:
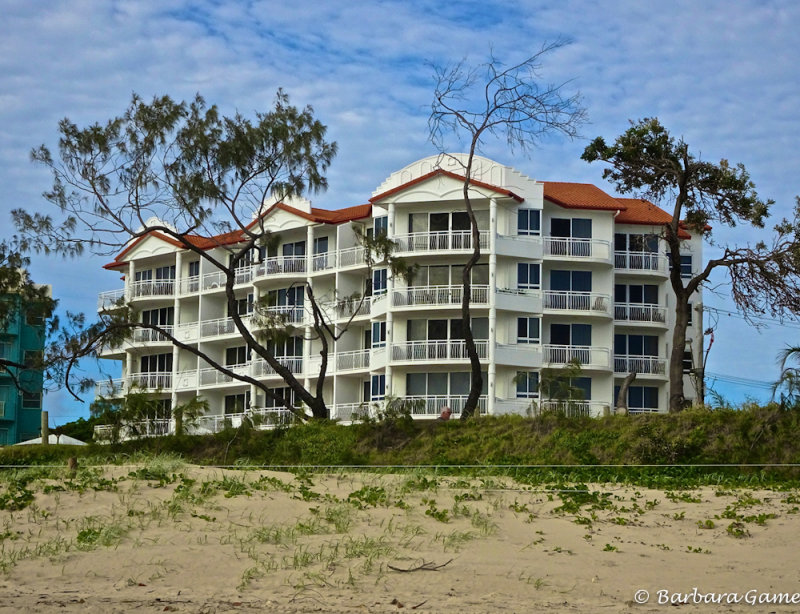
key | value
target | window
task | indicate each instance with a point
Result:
(528, 330)
(527, 384)
(244, 306)
(291, 347)
(165, 277)
(640, 397)
(689, 313)
(686, 266)
(194, 268)
(296, 249)
(31, 400)
(378, 334)
(194, 277)
(441, 384)
(156, 363)
(33, 359)
(446, 275)
(237, 356)
(442, 330)
(378, 388)
(5, 349)
(379, 281)
(528, 222)
(163, 317)
(571, 281)
(578, 228)
(287, 297)
(320, 253)
(635, 242)
(237, 403)
(283, 398)
(644, 294)
(635, 345)
(143, 275)
(380, 226)
(528, 275)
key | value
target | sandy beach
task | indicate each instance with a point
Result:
(180, 538)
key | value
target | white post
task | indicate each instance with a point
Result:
(492, 370)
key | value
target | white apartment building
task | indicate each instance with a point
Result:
(566, 272)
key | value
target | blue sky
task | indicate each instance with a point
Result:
(722, 74)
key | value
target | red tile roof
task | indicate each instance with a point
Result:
(580, 196)
(321, 216)
(436, 173)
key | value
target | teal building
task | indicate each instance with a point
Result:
(21, 341)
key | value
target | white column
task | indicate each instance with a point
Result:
(492, 371)
(389, 310)
(176, 303)
(308, 329)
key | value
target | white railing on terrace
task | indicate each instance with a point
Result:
(586, 355)
(159, 287)
(348, 361)
(289, 314)
(573, 408)
(108, 388)
(220, 326)
(640, 261)
(640, 312)
(144, 428)
(439, 241)
(324, 261)
(351, 256)
(353, 307)
(652, 365)
(261, 367)
(146, 335)
(439, 295)
(110, 298)
(155, 380)
(261, 418)
(578, 301)
(643, 410)
(437, 350)
(347, 412)
(277, 265)
(189, 285)
(187, 331)
(214, 280)
(212, 377)
(433, 405)
(578, 248)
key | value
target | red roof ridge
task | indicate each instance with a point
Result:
(573, 195)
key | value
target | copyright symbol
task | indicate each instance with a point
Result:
(641, 596)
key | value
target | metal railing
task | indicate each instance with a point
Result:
(189, 285)
(110, 388)
(262, 368)
(640, 312)
(148, 335)
(438, 295)
(433, 405)
(348, 361)
(647, 365)
(578, 301)
(277, 265)
(324, 261)
(573, 408)
(212, 376)
(155, 380)
(437, 350)
(159, 287)
(110, 298)
(640, 261)
(351, 256)
(575, 247)
(220, 326)
(439, 241)
(586, 355)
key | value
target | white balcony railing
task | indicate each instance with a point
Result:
(576, 301)
(351, 256)
(640, 312)
(262, 368)
(110, 388)
(213, 377)
(643, 410)
(110, 298)
(349, 361)
(154, 380)
(189, 285)
(354, 307)
(439, 241)
(220, 326)
(647, 365)
(148, 335)
(576, 248)
(278, 265)
(586, 355)
(438, 295)
(323, 262)
(433, 405)
(640, 261)
(437, 350)
(289, 314)
(159, 287)
(573, 408)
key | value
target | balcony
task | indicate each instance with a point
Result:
(429, 296)
(217, 327)
(351, 308)
(351, 361)
(640, 312)
(280, 265)
(646, 262)
(351, 256)
(151, 381)
(582, 249)
(641, 365)
(214, 377)
(110, 388)
(560, 300)
(436, 350)
(588, 356)
(283, 314)
(574, 408)
(323, 262)
(151, 289)
(110, 299)
(148, 335)
(189, 285)
(457, 240)
(431, 406)
(261, 368)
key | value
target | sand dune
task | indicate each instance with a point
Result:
(189, 539)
